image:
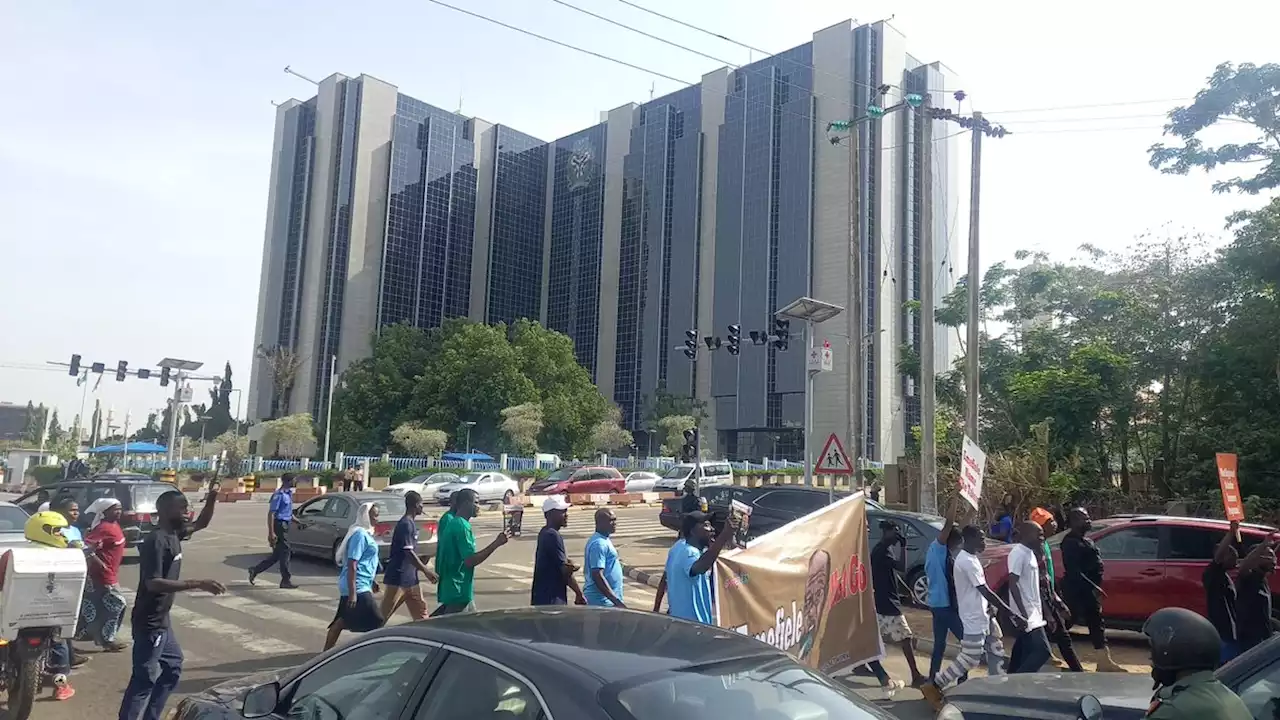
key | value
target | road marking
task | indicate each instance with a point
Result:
(630, 589)
(275, 614)
(250, 641)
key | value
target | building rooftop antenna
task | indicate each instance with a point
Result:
(289, 69)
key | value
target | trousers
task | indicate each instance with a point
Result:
(973, 647)
(157, 667)
(1030, 652)
(945, 620)
(281, 553)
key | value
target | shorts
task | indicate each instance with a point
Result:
(893, 628)
(361, 617)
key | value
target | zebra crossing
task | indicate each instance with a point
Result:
(258, 624)
(581, 525)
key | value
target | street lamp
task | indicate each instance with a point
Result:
(811, 312)
(470, 424)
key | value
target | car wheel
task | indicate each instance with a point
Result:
(918, 582)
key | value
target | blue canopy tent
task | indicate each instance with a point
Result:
(133, 448)
(472, 456)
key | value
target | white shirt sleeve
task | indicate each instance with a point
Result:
(970, 572)
(1016, 561)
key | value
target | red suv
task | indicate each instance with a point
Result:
(1151, 562)
(582, 479)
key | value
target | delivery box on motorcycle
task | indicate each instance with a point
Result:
(41, 589)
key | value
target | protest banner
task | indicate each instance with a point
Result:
(972, 465)
(806, 588)
(1231, 502)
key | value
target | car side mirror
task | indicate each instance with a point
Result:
(261, 701)
(1090, 708)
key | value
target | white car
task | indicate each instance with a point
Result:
(642, 482)
(424, 485)
(713, 473)
(490, 486)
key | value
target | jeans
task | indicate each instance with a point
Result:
(1030, 652)
(157, 666)
(59, 658)
(281, 553)
(945, 620)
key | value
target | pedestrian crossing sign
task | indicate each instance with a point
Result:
(834, 460)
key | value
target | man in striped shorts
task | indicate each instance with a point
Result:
(981, 632)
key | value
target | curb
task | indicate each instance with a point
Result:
(640, 576)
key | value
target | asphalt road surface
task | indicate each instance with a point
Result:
(261, 628)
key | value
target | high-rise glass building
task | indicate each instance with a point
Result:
(712, 206)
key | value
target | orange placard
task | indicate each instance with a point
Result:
(1230, 486)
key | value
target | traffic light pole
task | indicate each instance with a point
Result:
(808, 406)
(175, 409)
(857, 365)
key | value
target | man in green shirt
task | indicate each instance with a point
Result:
(456, 555)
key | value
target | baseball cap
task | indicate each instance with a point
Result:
(554, 502)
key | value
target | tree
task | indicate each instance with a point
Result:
(374, 394)
(609, 435)
(95, 425)
(283, 365)
(522, 424)
(419, 441)
(1245, 95)
(35, 423)
(291, 435)
(663, 404)
(671, 429)
(151, 431)
(54, 433)
(571, 404)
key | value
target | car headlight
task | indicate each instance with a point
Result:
(950, 712)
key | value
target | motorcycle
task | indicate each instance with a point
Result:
(22, 668)
(40, 592)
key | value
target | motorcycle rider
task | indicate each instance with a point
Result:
(47, 527)
(1185, 649)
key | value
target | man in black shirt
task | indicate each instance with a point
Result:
(553, 572)
(1253, 595)
(885, 564)
(1082, 584)
(157, 658)
(690, 502)
(1220, 591)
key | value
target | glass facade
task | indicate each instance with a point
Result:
(763, 221)
(517, 227)
(577, 232)
(658, 264)
(426, 268)
(303, 123)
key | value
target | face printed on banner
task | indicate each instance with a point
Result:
(815, 599)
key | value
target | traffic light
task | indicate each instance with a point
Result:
(735, 339)
(875, 112)
(75, 366)
(164, 376)
(781, 333)
(691, 344)
(759, 337)
(713, 342)
(144, 374)
(122, 369)
(98, 368)
(689, 451)
(915, 100)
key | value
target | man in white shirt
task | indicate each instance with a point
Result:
(981, 632)
(1031, 650)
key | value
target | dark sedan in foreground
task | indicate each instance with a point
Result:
(541, 664)
(1254, 676)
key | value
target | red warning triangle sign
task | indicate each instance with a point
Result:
(834, 460)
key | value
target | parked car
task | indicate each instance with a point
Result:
(13, 524)
(574, 663)
(641, 482)
(137, 495)
(713, 473)
(580, 479)
(489, 486)
(1254, 676)
(425, 485)
(320, 524)
(1151, 562)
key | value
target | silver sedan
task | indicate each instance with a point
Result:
(320, 524)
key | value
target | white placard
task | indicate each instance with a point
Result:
(972, 466)
(820, 358)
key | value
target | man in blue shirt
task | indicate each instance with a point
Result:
(279, 515)
(687, 579)
(942, 592)
(403, 564)
(604, 571)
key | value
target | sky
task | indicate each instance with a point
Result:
(136, 138)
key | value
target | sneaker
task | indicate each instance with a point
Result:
(62, 689)
(891, 688)
(288, 585)
(933, 695)
(115, 646)
(78, 659)
(252, 577)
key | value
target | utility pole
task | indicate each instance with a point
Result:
(971, 378)
(928, 386)
(854, 302)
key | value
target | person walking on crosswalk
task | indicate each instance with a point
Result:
(358, 557)
(553, 571)
(157, 657)
(457, 557)
(279, 517)
(401, 580)
(604, 571)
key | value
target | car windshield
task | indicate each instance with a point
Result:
(679, 472)
(12, 518)
(469, 479)
(748, 689)
(440, 478)
(145, 496)
(560, 475)
(389, 508)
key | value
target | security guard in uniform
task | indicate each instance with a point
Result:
(1185, 649)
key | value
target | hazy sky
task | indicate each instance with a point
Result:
(135, 138)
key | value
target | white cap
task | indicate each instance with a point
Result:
(554, 502)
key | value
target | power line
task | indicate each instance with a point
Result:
(1085, 119)
(1020, 111)
(1089, 130)
(643, 33)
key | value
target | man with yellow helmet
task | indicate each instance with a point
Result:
(46, 528)
(52, 528)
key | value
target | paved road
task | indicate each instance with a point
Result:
(262, 628)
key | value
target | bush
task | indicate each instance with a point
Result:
(381, 469)
(46, 474)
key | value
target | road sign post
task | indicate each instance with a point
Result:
(834, 460)
(811, 312)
